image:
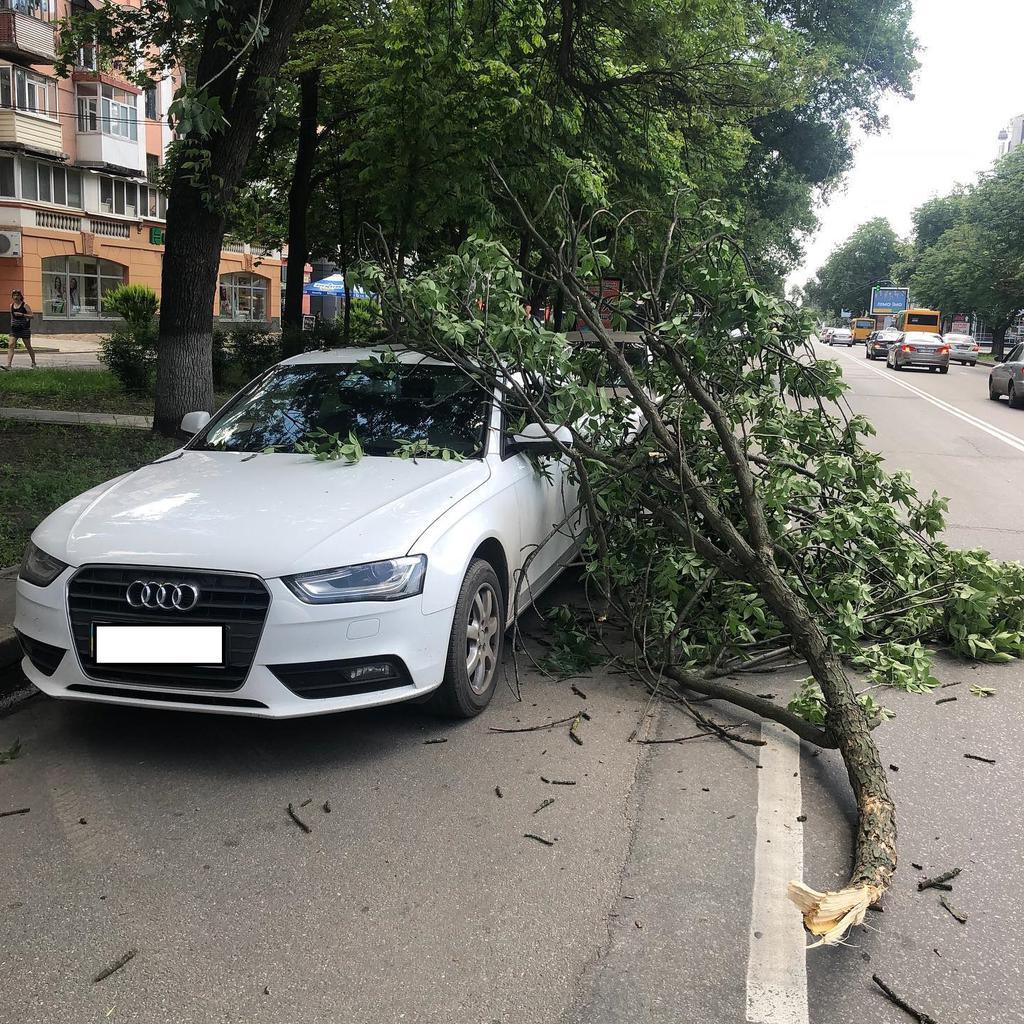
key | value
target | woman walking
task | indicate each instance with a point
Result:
(21, 328)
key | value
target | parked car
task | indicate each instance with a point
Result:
(962, 348)
(918, 348)
(241, 574)
(841, 336)
(1007, 378)
(877, 345)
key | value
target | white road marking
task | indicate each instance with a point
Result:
(777, 962)
(988, 428)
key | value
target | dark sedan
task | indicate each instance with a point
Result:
(877, 345)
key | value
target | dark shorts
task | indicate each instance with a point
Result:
(21, 333)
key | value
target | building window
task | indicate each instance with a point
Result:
(152, 167)
(152, 110)
(121, 198)
(48, 183)
(154, 202)
(7, 188)
(107, 109)
(74, 286)
(27, 91)
(42, 10)
(243, 297)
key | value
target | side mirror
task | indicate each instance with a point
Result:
(193, 422)
(536, 440)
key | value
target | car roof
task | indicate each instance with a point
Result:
(354, 355)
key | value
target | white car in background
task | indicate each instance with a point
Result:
(239, 575)
(842, 336)
(962, 348)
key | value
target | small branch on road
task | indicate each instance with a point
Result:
(955, 911)
(537, 728)
(931, 883)
(20, 810)
(574, 733)
(545, 803)
(919, 1015)
(298, 821)
(539, 839)
(978, 757)
(115, 966)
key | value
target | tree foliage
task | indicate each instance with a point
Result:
(866, 258)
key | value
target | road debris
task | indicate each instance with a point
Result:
(545, 803)
(115, 966)
(306, 802)
(20, 810)
(579, 693)
(12, 752)
(919, 1015)
(978, 757)
(982, 691)
(801, 817)
(558, 782)
(298, 821)
(537, 728)
(497, 792)
(894, 767)
(920, 867)
(327, 807)
(427, 743)
(539, 839)
(574, 733)
(946, 700)
(955, 911)
(931, 883)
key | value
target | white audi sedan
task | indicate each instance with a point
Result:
(240, 575)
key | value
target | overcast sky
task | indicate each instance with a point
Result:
(970, 84)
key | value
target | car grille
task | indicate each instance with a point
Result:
(97, 594)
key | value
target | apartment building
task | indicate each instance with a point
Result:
(78, 212)
(1012, 135)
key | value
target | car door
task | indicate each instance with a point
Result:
(547, 498)
(1001, 371)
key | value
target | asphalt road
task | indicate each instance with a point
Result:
(418, 898)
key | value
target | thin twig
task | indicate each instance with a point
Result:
(919, 1015)
(298, 821)
(928, 883)
(537, 728)
(115, 966)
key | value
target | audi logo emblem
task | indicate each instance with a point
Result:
(180, 597)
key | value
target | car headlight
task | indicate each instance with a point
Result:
(39, 568)
(389, 580)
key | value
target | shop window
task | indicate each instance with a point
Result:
(243, 297)
(74, 286)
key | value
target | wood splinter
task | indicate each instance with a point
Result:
(931, 883)
(115, 966)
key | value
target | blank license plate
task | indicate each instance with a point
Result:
(159, 645)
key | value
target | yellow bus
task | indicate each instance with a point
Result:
(862, 326)
(914, 319)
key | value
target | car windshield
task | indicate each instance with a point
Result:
(382, 404)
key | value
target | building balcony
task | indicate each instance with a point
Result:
(23, 37)
(37, 133)
(99, 150)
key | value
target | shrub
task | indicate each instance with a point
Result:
(253, 351)
(136, 304)
(130, 355)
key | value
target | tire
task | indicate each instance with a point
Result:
(992, 394)
(943, 369)
(464, 694)
(1016, 398)
(975, 363)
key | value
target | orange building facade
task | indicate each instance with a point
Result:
(78, 214)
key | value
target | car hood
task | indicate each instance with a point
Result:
(271, 514)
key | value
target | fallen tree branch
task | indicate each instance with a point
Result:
(919, 1015)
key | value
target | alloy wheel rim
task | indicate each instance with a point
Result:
(482, 639)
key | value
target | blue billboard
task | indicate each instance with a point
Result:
(889, 300)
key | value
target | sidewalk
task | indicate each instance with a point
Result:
(103, 419)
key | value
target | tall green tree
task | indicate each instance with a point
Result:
(866, 258)
(231, 53)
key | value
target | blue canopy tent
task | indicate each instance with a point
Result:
(335, 285)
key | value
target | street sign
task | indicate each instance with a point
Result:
(157, 236)
(889, 300)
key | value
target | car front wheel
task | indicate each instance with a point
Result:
(475, 645)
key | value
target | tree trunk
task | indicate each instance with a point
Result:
(299, 193)
(998, 342)
(197, 199)
(184, 370)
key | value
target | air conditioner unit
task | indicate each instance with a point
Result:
(10, 243)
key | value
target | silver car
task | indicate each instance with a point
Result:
(962, 348)
(918, 348)
(1007, 378)
(842, 336)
